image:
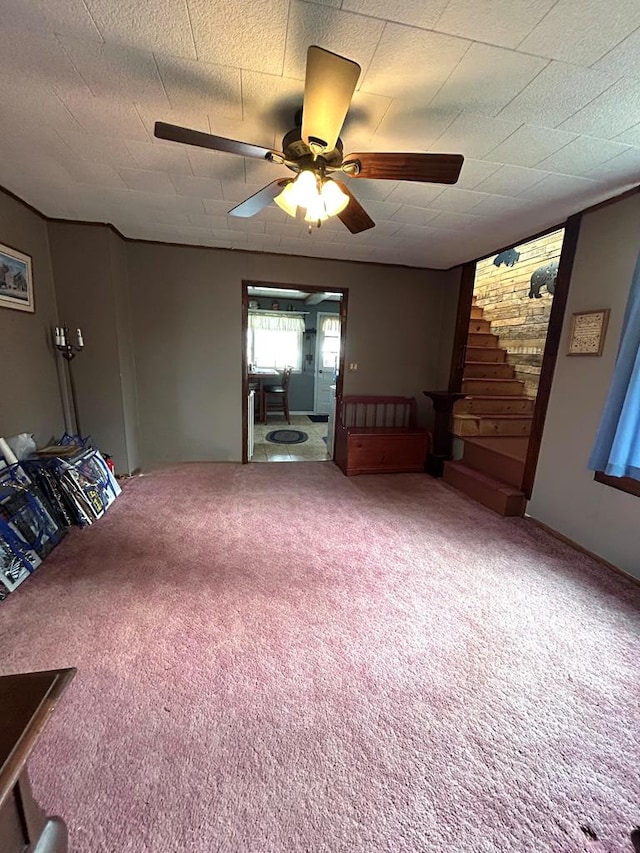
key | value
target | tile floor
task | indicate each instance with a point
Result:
(312, 450)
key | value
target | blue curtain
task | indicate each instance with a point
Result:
(617, 447)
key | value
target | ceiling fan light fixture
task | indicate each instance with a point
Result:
(333, 198)
(286, 199)
(305, 188)
(316, 210)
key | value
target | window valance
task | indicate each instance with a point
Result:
(274, 322)
(331, 325)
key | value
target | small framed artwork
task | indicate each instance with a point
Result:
(16, 281)
(587, 332)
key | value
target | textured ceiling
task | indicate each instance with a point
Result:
(541, 96)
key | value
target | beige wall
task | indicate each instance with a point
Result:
(123, 325)
(30, 400)
(565, 496)
(163, 344)
(187, 318)
(90, 275)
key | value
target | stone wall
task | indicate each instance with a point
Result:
(521, 322)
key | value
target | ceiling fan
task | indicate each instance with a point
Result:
(314, 150)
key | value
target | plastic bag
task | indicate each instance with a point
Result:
(23, 445)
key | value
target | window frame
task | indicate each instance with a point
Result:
(251, 356)
(622, 484)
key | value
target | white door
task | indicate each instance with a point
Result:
(327, 356)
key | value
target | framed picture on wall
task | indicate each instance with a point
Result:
(587, 332)
(16, 281)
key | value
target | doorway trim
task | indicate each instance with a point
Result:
(307, 288)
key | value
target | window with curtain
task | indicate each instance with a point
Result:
(617, 448)
(330, 342)
(275, 340)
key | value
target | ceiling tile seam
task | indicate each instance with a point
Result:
(363, 73)
(611, 49)
(597, 166)
(434, 31)
(536, 127)
(622, 133)
(64, 142)
(451, 73)
(440, 16)
(70, 114)
(599, 95)
(502, 142)
(164, 88)
(73, 65)
(286, 39)
(135, 107)
(384, 115)
(93, 21)
(193, 36)
(455, 118)
(548, 12)
(524, 89)
(604, 56)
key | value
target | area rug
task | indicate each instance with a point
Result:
(318, 419)
(286, 436)
(282, 659)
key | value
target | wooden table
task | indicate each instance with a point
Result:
(258, 375)
(26, 703)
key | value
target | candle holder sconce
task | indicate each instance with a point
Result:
(68, 350)
(63, 343)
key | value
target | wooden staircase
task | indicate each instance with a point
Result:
(496, 403)
(494, 420)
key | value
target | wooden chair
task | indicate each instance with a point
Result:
(276, 397)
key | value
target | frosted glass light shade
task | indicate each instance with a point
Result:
(305, 188)
(334, 199)
(286, 200)
(319, 204)
(316, 210)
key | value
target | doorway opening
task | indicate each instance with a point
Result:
(292, 367)
(506, 346)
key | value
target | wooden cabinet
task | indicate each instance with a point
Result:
(26, 701)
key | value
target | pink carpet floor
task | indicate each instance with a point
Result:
(277, 658)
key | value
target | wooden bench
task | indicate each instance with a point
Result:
(377, 435)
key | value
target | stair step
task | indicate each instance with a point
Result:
(476, 312)
(488, 370)
(490, 492)
(487, 425)
(493, 386)
(486, 354)
(502, 458)
(479, 326)
(482, 339)
(484, 404)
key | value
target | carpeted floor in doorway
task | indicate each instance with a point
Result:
(278, 658)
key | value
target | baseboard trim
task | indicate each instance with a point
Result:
(577, 547)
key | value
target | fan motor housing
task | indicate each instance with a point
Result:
(296, 149)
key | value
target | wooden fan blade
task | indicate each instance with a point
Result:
(328, 88)
(207, 140)
(430, 168)
(258, 201)
(354, 216)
